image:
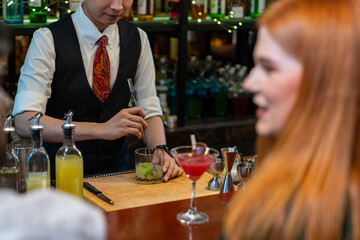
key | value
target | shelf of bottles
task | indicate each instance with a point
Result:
(201, 91)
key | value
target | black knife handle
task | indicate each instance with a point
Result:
(91, 188)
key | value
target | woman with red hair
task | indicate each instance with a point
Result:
(306, 85)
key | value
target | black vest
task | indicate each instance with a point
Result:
(70, 90)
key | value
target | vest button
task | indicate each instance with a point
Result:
(104, 110)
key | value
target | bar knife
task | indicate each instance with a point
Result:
(98, 193)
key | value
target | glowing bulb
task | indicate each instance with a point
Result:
(240, 23)
(199, 20)
(235, 27)
(229, 31)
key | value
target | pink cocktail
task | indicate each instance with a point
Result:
(194, 165)
(194, 162)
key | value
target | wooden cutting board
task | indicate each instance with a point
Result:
(127, 193)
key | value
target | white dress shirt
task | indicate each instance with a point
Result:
(34, 87)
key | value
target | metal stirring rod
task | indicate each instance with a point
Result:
(133, 98)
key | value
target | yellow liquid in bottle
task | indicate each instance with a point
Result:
(37, 180)
(69, 174)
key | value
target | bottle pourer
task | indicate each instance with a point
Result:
(68, 123)
(8, 126)
(36, 124)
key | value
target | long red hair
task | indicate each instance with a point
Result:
(310, 174)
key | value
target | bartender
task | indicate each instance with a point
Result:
(82, 63)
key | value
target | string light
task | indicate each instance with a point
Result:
(227, 26)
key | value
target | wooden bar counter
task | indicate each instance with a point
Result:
(149, 211)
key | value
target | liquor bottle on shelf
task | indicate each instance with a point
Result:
(217, 9)
(174, 7)
(129, 15)
(157, 7)
(13, 11)
(73, 5)
(257, 8)
(69, 162)
(237, 9)
(145, 10)
(198, 9)
(38, 11)
(9, 167)
(38, 163)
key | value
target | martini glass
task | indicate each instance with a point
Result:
(194, 162)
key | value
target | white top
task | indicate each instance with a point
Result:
(34, 87)
(47, 214)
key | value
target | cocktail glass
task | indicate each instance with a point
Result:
(194, 162)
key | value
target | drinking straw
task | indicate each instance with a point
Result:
(193, 142)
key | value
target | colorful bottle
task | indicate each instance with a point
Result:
(9, 168)
(257, 8)
(198, 9)
(38, 163)
(38, 11)
(145, 10)
(217, 9)
(69, 162)
(13, 11)
(174, 7)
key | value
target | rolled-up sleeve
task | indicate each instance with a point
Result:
(34, 86)
(145, 80)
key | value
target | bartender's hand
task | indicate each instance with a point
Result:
(127, 121)
(171, 169)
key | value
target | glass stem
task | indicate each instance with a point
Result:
(192, 202)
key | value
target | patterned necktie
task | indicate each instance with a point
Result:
(101, 70)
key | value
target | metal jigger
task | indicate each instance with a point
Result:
(246, 169)
(228, 155)
(216, 168)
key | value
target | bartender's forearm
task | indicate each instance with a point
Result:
(53, 128)
(155, 133)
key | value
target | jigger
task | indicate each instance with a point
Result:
(216, 168)
(228, 155)
(244, 171)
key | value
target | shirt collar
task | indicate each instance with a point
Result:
(89, 32)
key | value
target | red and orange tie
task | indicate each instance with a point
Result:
(101, 70)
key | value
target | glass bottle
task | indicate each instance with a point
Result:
(174, 7)
(13, 11)
(9, 168)
(198, 9)
(145, 10)
(129, 15)
(69, 162)
(38, 163)
(38, 11)
(237, 9)
(257, 8)
(217, 9)
(73, 5)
